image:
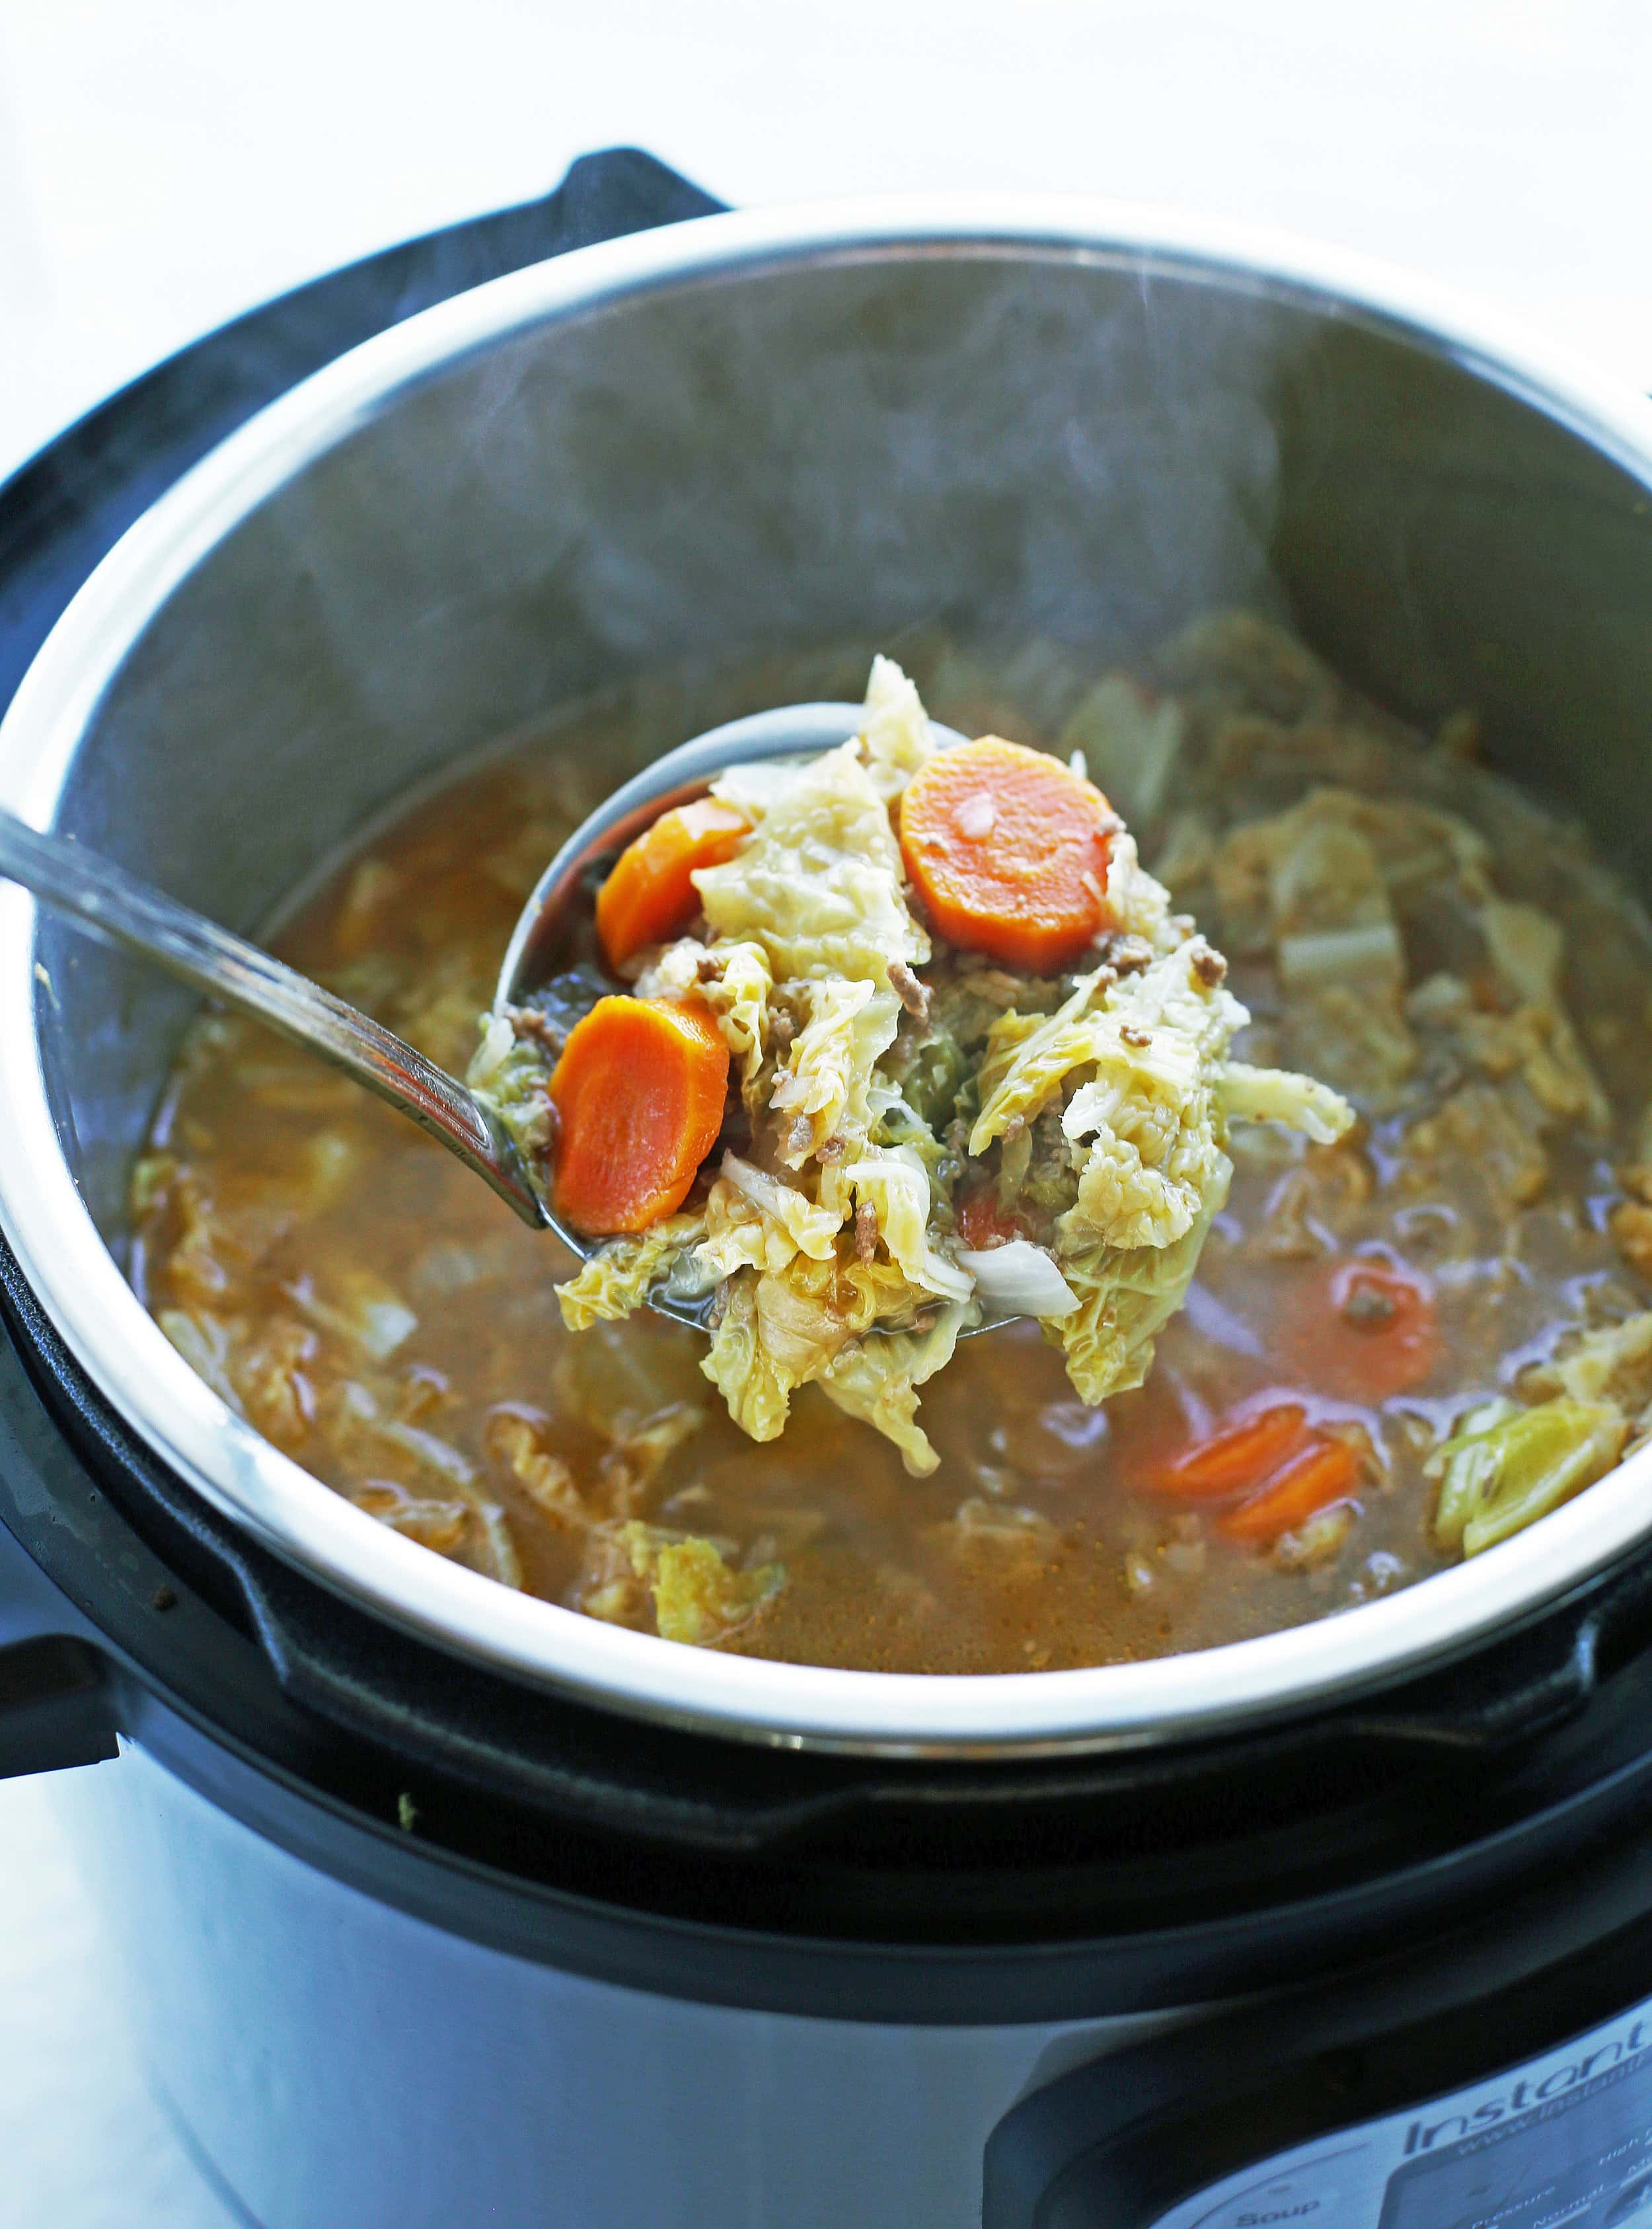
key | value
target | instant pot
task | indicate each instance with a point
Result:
(440, 1904)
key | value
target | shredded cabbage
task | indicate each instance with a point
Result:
(739, 1235)
(829, 1071)
(1130, 745)
(1029, 1057)
(1539, 1044)
(1327, 886)
(1371, 952)
(1494, 1132)
(1279, 1095)
(787, 1328)
(1142, 1059)
(1527, 947)
(818, 881)
(877, 1378)
(736, 988)
(1139, 905)
(698, 1599)
(1126, 1297)
(896, 733)
(1612, 1362)
(366, 1313)
(895, 1182)
(812, 1230)
(1498, 1476)
(1020, 1279)
(508, 1075)
(739, 1367)
(205, 1344)
(617, 1278)
(1318, 885)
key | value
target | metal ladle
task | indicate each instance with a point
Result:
(117, 908)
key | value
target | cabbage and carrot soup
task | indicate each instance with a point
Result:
(1166, 1169)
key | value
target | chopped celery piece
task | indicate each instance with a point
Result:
(1501, 1475)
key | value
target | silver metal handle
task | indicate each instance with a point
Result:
(117, 908)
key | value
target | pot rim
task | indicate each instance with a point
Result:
(128, 1357)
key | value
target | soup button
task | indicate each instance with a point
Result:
(1283, 2202)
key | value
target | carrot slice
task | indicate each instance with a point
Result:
(1008, 850)
(639, 1090)
(649, 895)
(1324, 1472)
(1361, 1330)
(1243, 1453)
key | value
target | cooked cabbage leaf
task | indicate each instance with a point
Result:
(1148, 1117)
(1502, 1474)
(733, 980)
(896, 733)
(897, 1184)
(755, 1220)
(1281, 1094)
(365, 1311)
(1313, 885)
(616, 1279)
(1609, 1362)
(509, 1075)
(818, 881)
(1029, 1057)
(876, 1379)
(1142, 1064)
(828, 1072)
(1131, 744)
(741, 1366)
(697, 1597)
(1126, 1297)
(1329, 887)
(782, 1328)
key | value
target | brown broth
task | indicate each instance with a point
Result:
(273, 1189)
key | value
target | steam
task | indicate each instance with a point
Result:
(1017, 449)
(776, 476)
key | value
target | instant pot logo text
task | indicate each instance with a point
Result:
(1524, 2095)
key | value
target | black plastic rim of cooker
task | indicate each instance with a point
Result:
(555, 1830)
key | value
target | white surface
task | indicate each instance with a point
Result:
(82, 2143)
(164, 166)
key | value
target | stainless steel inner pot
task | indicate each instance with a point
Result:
(761, 433)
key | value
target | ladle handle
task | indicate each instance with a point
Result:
(114, 906)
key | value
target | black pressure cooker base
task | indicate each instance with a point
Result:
(1125, 2139)
(878, 1890)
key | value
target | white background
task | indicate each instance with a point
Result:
(167, 163)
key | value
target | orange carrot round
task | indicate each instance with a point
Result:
(1325, 1472)
(639, 1091)
(1240, 1455)
(1361, 1329)
(649, 895)
(1008, 850)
